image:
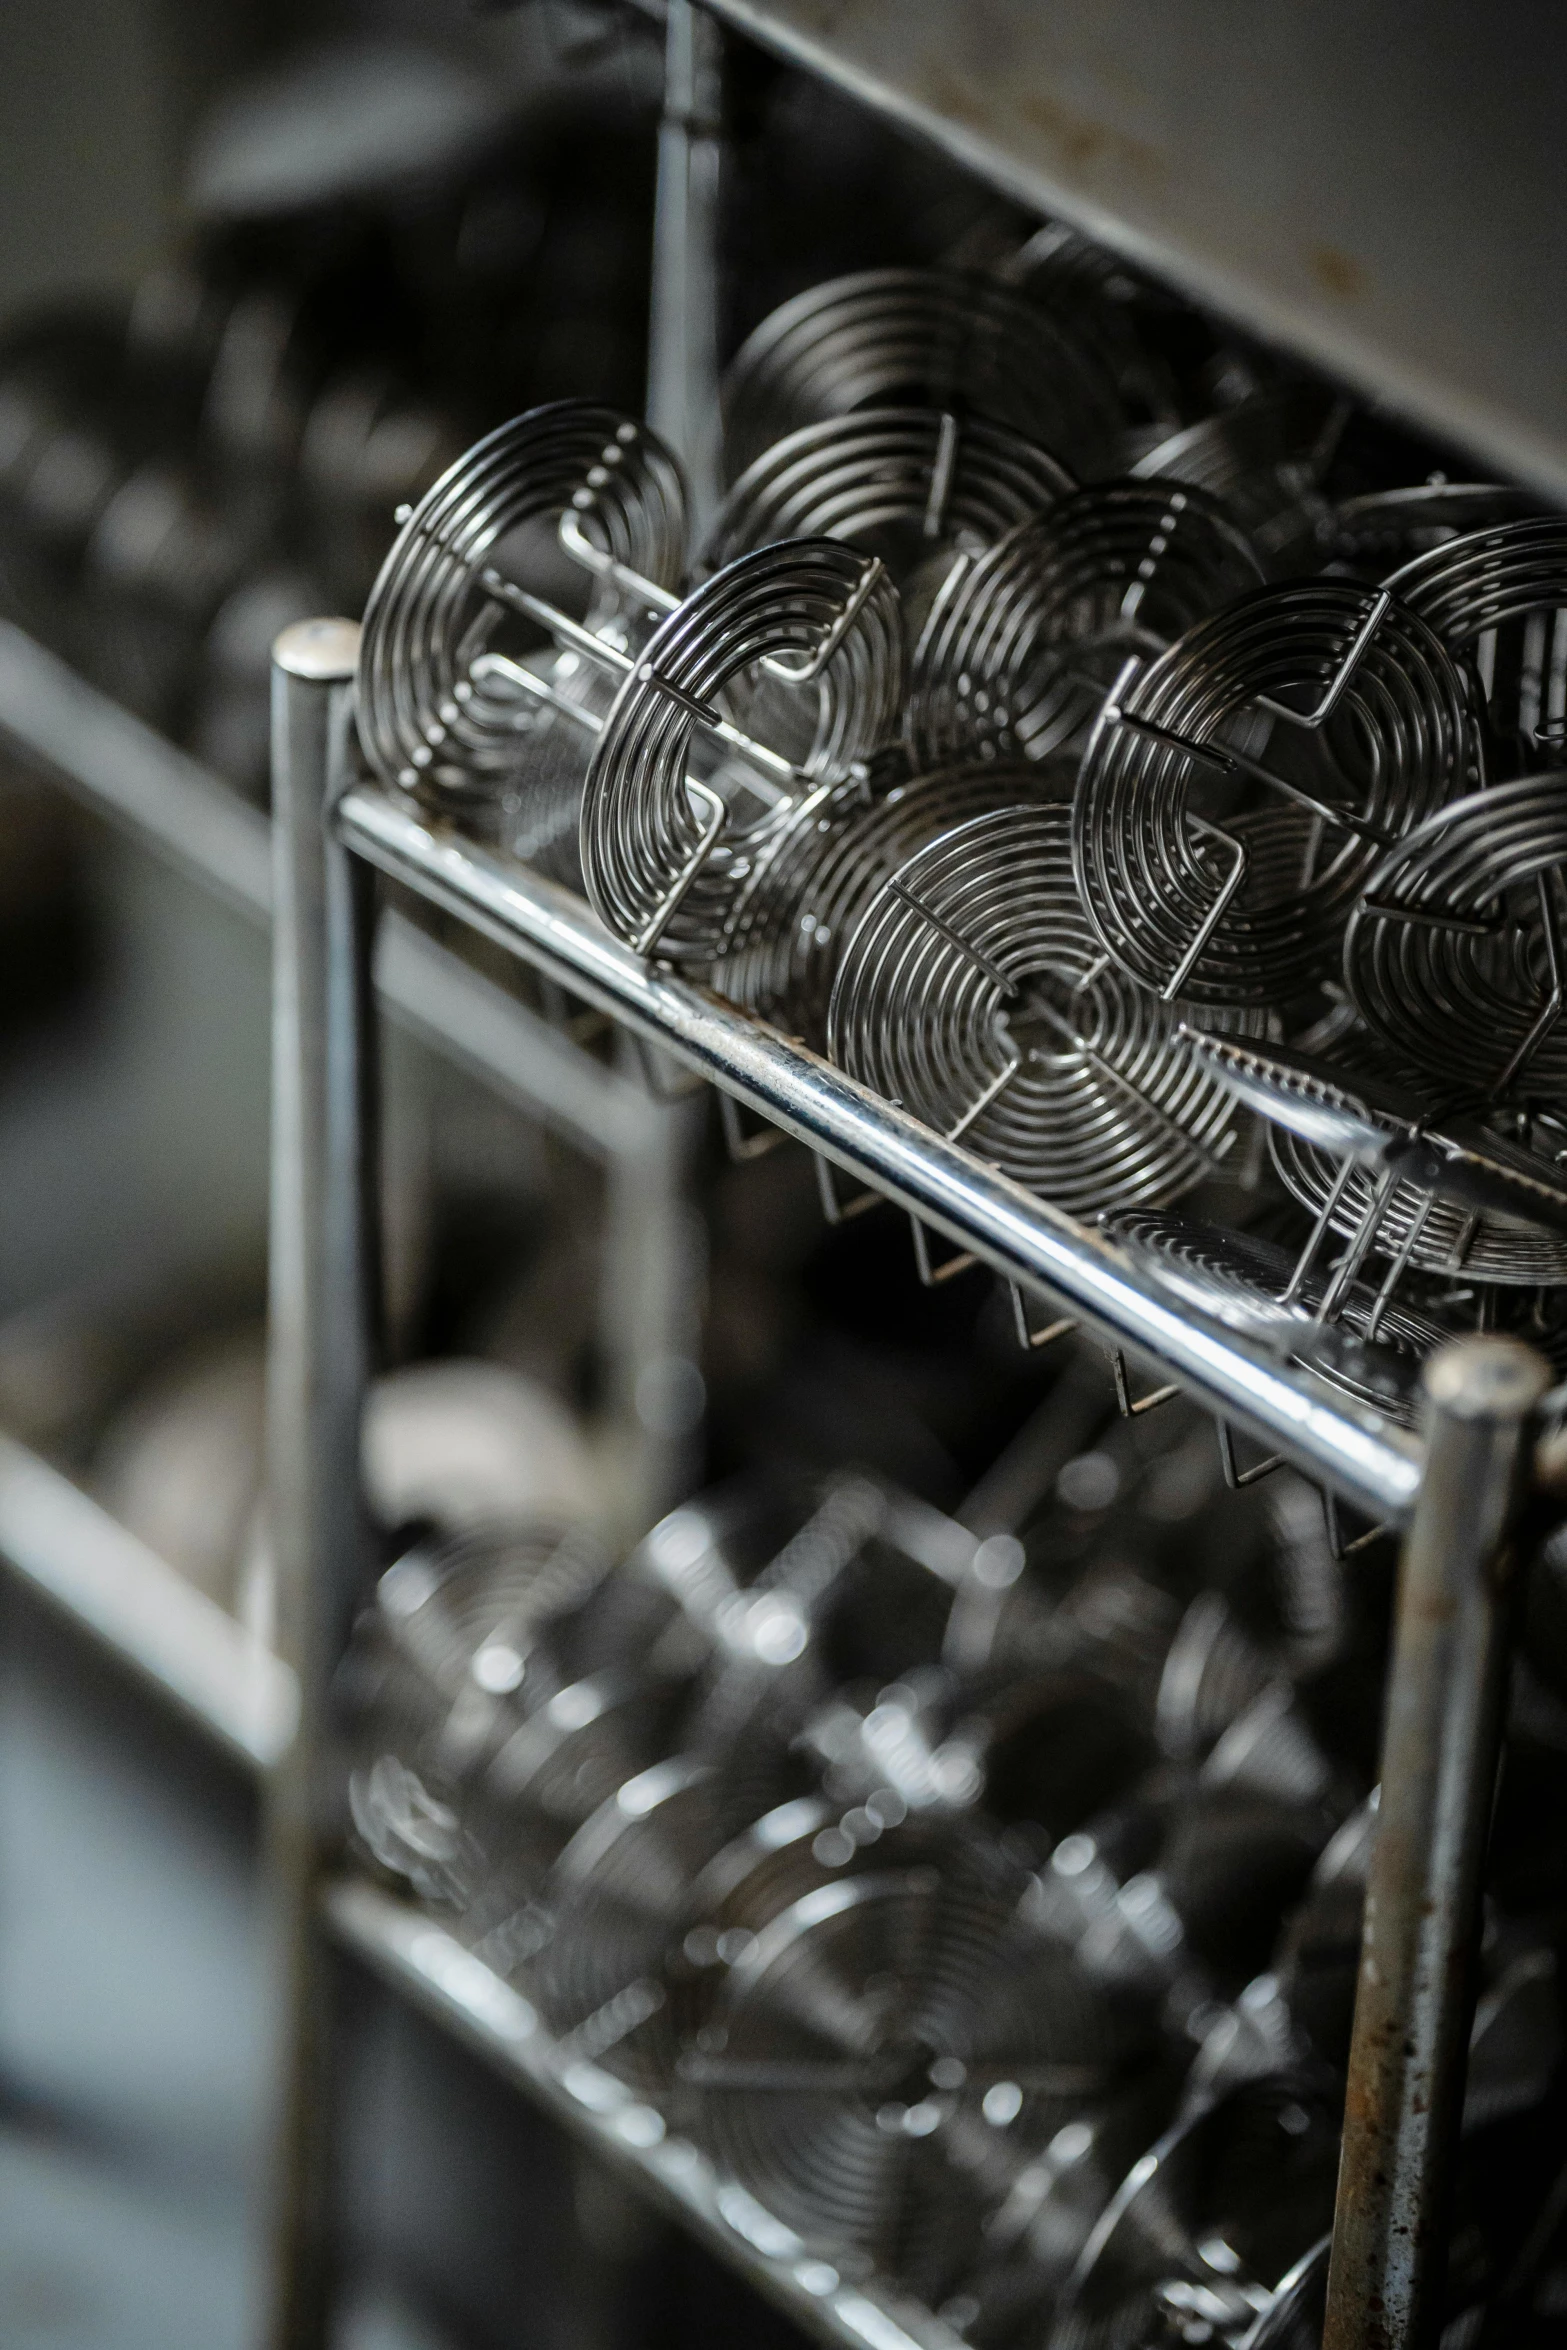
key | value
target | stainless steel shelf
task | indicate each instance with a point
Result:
(58, 1540)
(172, 805)
(421, 1959)
(1069, 1264)
(1294, 167)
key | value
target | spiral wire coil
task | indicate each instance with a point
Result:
(911, 484)
(1499, 595)
(932, 337)
(802, 905)
(440, 598)
(1024, 642)
(1455, 957)
(663, 867)
(974, 992)
(1248, 906)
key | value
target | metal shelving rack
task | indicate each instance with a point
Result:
(1457, 1494)
(1153, 135)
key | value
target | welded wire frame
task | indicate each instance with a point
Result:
(1455, 956)
(845, 2071)
(1236, 794)
(1023, 642)
(909, 484)
(1249, 1283)
(934, 338)
(1373, 1120)
(664, 863)
(1372, 536)
(424, 725)
(1500, 595)
(974, 993)
(808, 893)
(1265, 458)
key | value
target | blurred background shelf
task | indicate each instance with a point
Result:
(431, 1966)
(191, 818)
(181, 1644)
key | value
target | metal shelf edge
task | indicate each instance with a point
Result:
(1371, 1463)
(143, 1611)
(422, 1959)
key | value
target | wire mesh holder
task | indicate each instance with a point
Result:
(1266, 459)
(811, 632)
(440, 595)
(1456, 956)
(973, 991)
(744, 1147)
(812, 887)
(1022, 640)
(914, 483)
(1497, 596)
(1387, 718)
(947, 340)
(1396, 1138)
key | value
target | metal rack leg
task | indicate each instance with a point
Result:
(682, 400)
(1439, 1758)
(318, 1363)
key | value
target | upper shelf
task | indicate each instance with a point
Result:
(939, 1183)
(1377, 188)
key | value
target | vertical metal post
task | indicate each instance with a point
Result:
(682, 398)
(318, 1363)
(651, 1321)
(1439, 1756)
(652, 1255)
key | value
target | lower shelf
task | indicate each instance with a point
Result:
(421, 1958)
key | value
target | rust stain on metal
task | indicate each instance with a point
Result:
(1083, 142)
(1337, 273)
(1080, 143)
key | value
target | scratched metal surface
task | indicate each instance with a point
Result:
(1382, 188)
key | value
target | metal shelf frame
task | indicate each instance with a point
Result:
(1069, 1265)
(1458, 1495)
(1460, 1499)
(1153, 131)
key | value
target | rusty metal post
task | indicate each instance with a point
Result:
(1439, 1755)
(683, 370)
(321, 1289)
